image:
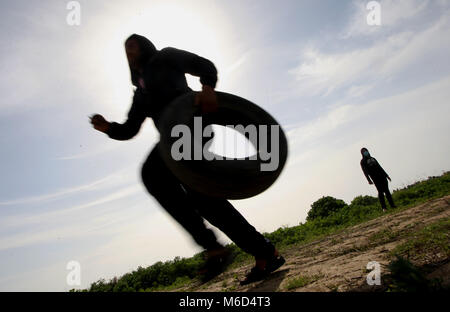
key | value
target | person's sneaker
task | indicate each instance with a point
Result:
(260, 272)
(216, 263)
(384, 210)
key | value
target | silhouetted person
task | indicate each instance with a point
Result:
(375, 174)
(159, 77)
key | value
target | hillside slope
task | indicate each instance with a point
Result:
(338, 262)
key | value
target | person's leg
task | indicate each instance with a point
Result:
(389, 197)
(166, 189)
(382, 201)
(380, 190)
(220, 213)
(223, 215)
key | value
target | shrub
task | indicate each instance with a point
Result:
(364, 201)
(324, 207)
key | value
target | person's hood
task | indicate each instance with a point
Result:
(147, 49)
(362, 152)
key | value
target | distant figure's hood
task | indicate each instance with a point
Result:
(147, 49)
(362, 152)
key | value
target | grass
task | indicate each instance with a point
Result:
(302, 281)
(229, 289)
(179, 282)
(355, 248)
(333, 287)
(406, 277)
(433, 239)
(384, 236)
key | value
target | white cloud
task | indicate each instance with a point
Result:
(419, 48)
(322, 73)
(65, 213)
(359, 90)
(323, 125)
(108, 181)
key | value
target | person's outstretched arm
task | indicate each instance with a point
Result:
(129, 128)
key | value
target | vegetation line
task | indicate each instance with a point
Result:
(327, 215)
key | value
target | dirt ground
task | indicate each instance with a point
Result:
(339, 261)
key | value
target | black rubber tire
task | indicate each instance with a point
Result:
(230, 179)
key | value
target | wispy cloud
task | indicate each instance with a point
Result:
(110, 180)
(103, 149)
(238, 63)
(359, 90)
(64, 213)
(360, 69)
(411, 108)
(323, 125)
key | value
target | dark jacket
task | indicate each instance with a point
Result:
(163, 79)
(373, 170)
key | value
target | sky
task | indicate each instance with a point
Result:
(334, 83)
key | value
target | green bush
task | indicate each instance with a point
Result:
(364, 201)
(155, 277)
(324, 207)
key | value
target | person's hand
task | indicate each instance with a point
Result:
(207, 99)
(100, 123)
(370, 182)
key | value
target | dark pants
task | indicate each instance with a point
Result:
(383, 188)
(189, 208)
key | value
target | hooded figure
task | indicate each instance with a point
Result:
(375, 174)
(159, 77)
(147, 50)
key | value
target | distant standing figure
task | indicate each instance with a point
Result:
(375, 174)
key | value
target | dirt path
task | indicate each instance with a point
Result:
(338, 262)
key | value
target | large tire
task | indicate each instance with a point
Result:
(231, 179)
